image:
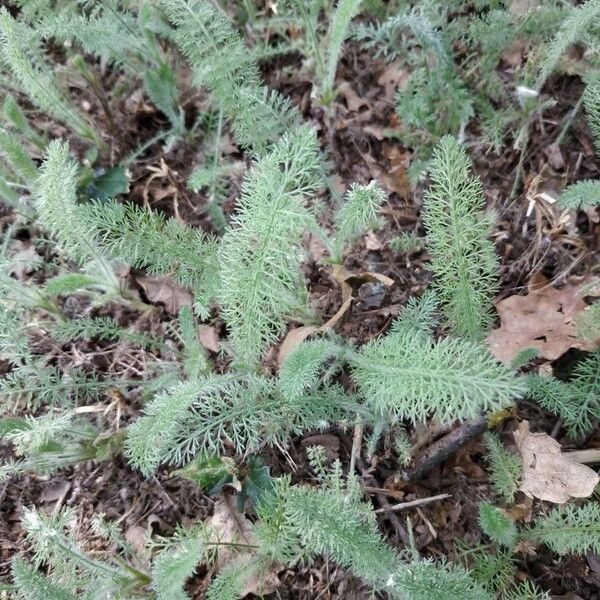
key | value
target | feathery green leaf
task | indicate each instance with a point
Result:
(463, 259)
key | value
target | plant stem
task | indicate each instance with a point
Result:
(569, 121)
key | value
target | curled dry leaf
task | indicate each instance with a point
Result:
(392, 78)
(166, 291)
(547, 473)
(348, 282)
(209, 338)
(298, 335)
(234, 528)
(543, 319)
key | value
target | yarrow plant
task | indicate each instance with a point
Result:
(214, 411)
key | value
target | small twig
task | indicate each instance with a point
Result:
(437, 453)
(569, 121)
(378, 490)
(556, 428)
(412, 503)
(591, 456)
(390, 516)
(356, 444)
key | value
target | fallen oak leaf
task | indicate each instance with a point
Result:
(547, 473)
(209, 338)
(543, 319)
(236, 542)
(349, 281)
(166, 291)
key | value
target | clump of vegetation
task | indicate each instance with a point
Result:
(240, 263)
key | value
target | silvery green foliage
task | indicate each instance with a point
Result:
(16, 157)
(260, 254)
(586, 194)
(141, 237)
(335, 521)
(463, 258)
(569, 529)
(526, 590)
(576, 401)
(494, 569)
(358, 213)
(581, 195)
(53, 541)
(505, 468)
(20, 49)
(410, 375)
(244, 412)
(591, 101)
(230, 581)
(177, 561)
(58, 211)
(572, 30)
(224, 65)
(56, 202)
(344, 12)
(302, 369)
(496, 525)
(195, 361)
(34, 586)
(102, 328)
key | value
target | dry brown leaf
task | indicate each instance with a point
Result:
(292, 339)
(164, 290)
(55, 491)
(373, 242)
(547, 473)
(377, 131)
(298, 335)
(555, 157)
(353, 101)
(233, 527)
(521, 511)
(348, 282)
(543, 319)
(340, 274)
(209, 338)
(391, 78)
(396, 178)
(137, 536)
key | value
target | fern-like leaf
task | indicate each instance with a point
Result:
(506, 468)
(222, 63)
(357, 215)
(17, 157)
(56, 202)
(581, 195)
(463, 259)
(20, 49)
(344, 12)
(571, 31)
(413, 377)
(175, 565)
(496, 525)
(260, 254)
(569, 529)
(207, 415)
(34, 586)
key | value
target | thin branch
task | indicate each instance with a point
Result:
(437, 453)
(412, 503)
